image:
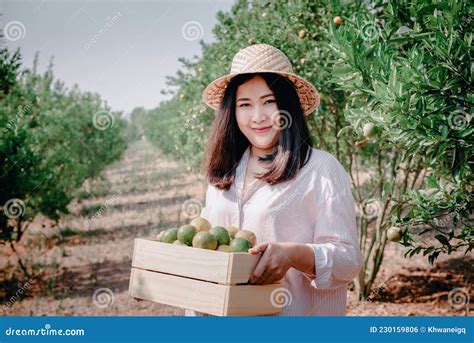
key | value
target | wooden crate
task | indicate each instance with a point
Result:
(211, 282)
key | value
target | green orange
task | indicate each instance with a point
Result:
(221, 234)
(205, 240)
(240, 245)
(170, 235)
(201, 224)
(248, 235)
(232, 231)
(223, 248)
(394, 234)
(186, 234)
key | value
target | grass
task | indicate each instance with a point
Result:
(89, 211)
(68, 232)
(84, 195)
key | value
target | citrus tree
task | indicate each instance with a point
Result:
(406, 70)
(344, 49)
(51, 140)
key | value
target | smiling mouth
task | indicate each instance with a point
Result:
(261, 129)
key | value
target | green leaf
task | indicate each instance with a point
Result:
(386, 189)
(442, 239)
(393, 78)
(344, 130)
(431, 182)
(444, 131)
(380, 89)
(467, 132)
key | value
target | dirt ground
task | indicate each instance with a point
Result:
(82, 265)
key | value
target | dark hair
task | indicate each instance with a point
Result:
(227, 144)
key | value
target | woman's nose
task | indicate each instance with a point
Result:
(259, 114)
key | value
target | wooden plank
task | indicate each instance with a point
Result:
(251, 300)
(130, 283)
(202, 296)
(178, 291)
(240, 267)
(215, 266)
(181, 260)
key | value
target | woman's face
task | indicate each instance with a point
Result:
(256, 111)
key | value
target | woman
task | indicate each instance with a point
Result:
(265, 176)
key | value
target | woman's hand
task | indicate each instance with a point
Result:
(274, 263)
(278, 257)
(160, 235)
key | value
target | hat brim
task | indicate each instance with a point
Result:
(307, 93)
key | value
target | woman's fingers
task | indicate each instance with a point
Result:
(266, 271)
(160, 235)
(258, 248)
(257, 273)
(265, 278)
(259, 269)
(271, 274)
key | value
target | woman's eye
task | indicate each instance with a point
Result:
(269, 101)
(244, 105)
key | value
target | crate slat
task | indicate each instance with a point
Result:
(178, 291)
(202, 264)
(251, 300)
(202, 296)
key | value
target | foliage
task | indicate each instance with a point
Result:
(51, 140)
(408, 71)
(403, 67)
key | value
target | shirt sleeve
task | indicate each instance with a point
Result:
(335, 241)
(205, 210)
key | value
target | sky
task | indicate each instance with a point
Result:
(121, 49)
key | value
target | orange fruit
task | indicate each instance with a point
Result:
(248, 235)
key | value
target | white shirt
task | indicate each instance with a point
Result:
(316, 208)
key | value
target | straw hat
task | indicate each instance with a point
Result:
(260, 58)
